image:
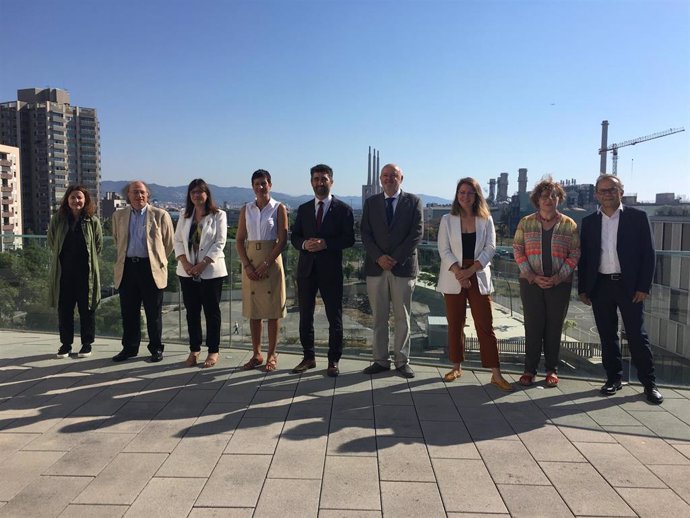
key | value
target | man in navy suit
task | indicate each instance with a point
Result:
(392, 227)
(615, 273)
(323, 228)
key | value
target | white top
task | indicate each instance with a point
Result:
(262, 225)
(214, 230)
(450, 250)
(609, 262)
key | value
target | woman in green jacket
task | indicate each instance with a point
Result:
(76, 239)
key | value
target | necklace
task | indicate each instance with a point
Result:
(546, 220)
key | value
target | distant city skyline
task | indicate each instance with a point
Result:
(444, 89)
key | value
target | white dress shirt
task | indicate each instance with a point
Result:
(609, 262)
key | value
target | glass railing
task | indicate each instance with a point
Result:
(23, 305)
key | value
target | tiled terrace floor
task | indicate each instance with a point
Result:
(92, 438)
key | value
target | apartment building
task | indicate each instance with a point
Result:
(10, 198)
(59, 145)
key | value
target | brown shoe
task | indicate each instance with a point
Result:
(303, 366)
(452, 375)
(502, 384)
(333, 369)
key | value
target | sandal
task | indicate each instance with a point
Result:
(551, 379)
(502, 384)
(271, 364)
(210, 361)
(526, 379)
(452, 375)
(191, 360)
(253, 363)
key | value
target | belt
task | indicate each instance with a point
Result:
(611, 276)
(136, 259)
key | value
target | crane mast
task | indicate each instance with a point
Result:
(614, 147)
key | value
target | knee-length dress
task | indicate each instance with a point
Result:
(264, 298)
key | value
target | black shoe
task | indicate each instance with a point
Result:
(156, 356)
(333, 369)
(64, 351)
(405, 371)
(653, 394)
(84, 352)
(304, 366)
(611, 387)
(124, 355)
(375, 368)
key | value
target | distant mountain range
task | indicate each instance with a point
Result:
(238, 195)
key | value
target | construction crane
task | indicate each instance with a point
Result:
(614, 147)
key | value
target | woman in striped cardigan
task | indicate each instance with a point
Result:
(547, 248)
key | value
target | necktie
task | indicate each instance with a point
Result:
(389, 210)
(319, 216)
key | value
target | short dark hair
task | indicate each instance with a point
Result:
(261, 173)
(615, 179)
(321, 168)
(546, 184)
(87, 210)
(211, 207)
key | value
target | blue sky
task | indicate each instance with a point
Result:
(446, 89)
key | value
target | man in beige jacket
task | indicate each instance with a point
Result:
(143, 237)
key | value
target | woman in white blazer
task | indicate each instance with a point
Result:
(466, 244)
(199, 242)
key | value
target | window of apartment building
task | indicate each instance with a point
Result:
(679, 306)
(662, 274)
(668, 237)
(685, 240)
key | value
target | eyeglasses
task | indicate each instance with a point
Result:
(611, 191)
(466, 193)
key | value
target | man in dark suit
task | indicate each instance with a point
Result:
(322, 229)
(392, 227)
(615, 273)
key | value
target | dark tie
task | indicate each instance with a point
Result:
(319, 216)
(389, 210)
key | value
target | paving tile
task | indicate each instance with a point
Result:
(405, 499)
(397, 420)
(651, 503)
(236, 392)
(132, 417)
(222, 512)
(403, 460)
(94, 453)
(676, 477)
(533, 501)
(548, 443)
(194, 456)
(94, 511)
(684, 449)
(352, 438)
(119, 483)
(166, 497)
(299, 457)
(479, 493)
(49, 496)
(21, 468)
(186, 403)
(343, 513)
(448, 440)
(288, 498)
(65, 435)
(584, 490)
(235, 482)
(218, 418)
(664, 424)
(353, 405)
(314, 426)
(509, 462)
(270, 404)
(10, 443)
(256, 436)
(435, 407)
(618, 466)
(650, 449)
(680, 408)
(160, 436)
(486, 423)
(350, 483)
(392, 395)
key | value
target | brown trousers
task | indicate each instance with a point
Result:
(480, 305)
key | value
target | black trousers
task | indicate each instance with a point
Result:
(204, 293)
(544, 314)
(75, 291)
(608, 296)
(138, 287)
(330, 286)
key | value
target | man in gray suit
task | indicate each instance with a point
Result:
(392, 228)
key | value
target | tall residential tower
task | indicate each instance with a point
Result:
(59, 145)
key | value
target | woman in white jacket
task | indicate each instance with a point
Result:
(199, 242)
(466, 244)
